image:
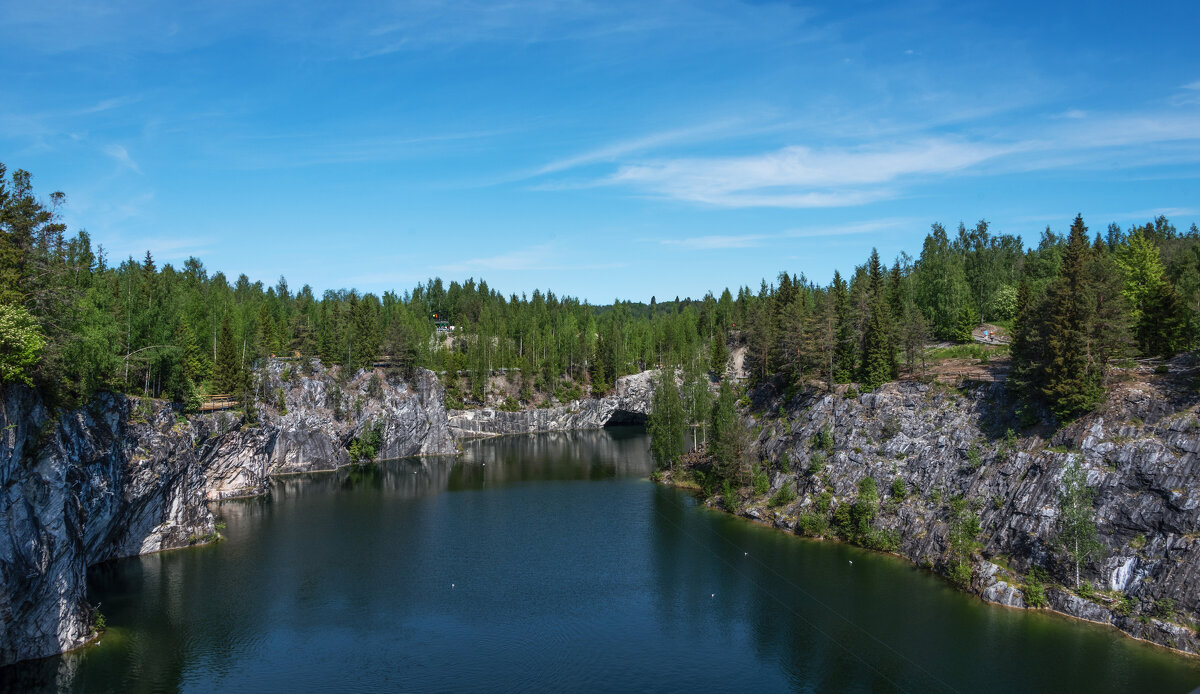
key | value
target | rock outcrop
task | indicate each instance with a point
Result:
(629, 404)
(961, 447)
(126, 476)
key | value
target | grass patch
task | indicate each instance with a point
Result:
(972, 350)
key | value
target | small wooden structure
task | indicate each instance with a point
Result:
(212, 403)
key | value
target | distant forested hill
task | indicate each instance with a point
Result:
(72, 322)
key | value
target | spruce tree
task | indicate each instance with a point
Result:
(1163, 325)
(227, 376)
(1072, 380)
(667, 421)
(878, 353)
(726, 442)
(1024, 378)
(844, 343)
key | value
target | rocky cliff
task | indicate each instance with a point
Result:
(960, 451)
(629, 404)
(125, 476)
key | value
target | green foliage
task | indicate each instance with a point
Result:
(960, 573)
(1138, 542)
(21, 343)
(963, 537)
(760, 480)
(1071, 381)
(899, 489)
(786, 495)
(281, 401)
(728, 442)
(974, 459)
(165, 331)
(1004, 303)
(1035, 588)
(843, 520)
(729, 496)
(366, 445)
(813, 524)
(816, 463)
(667, 421)
(1164, 608)
(822, 503)
(851, 393)
(878, 364)
(1077, 536)
(882, 540)
(971, 350)
(99, 622)
(864, 509)
(785, 462)
(823, 439)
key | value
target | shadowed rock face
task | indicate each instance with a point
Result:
(629, 404)
(125, 476)
(1141, 454)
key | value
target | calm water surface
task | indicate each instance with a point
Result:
(549, 563)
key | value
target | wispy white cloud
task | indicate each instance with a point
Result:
(107, 105)
(612, 152)
(306, 149)
(121, 155)
(805, 177)
(534, 257)
(540, 258)
(733, 241)
(719, 241)
(881, 167)
(163, 249)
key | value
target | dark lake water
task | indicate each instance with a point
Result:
(549, 563)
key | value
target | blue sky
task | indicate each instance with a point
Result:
(599, 149)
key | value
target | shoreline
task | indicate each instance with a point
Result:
(659, 477)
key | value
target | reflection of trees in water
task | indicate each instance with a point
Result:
(569, 455)
(706, 579)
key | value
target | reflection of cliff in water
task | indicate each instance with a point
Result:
(567, 455)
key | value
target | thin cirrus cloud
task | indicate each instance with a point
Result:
(612, 152)
(121, 155)
(847, 176)
(542, 257)
(732, 241)
(800, 176)
(522, 259)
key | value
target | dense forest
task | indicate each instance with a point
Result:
(73, 323)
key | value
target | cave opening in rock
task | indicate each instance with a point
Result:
(621, 418)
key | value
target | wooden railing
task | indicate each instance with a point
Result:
(212, 403)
